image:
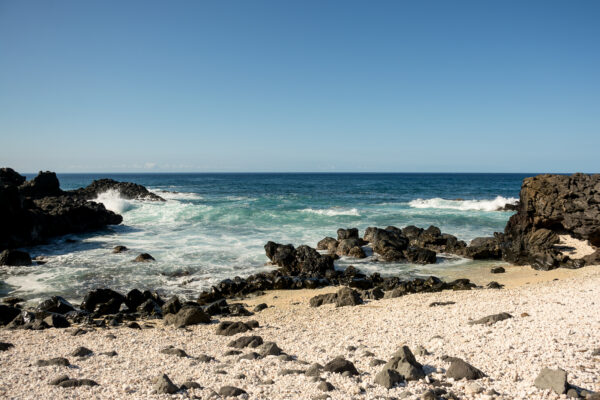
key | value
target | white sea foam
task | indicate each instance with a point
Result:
(464, 205)
(113, 201)
(330, 212)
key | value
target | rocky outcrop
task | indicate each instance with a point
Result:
(550, 205)
(127, 190)
(303, 261)
(33, 211)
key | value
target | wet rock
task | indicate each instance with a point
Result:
(144, 257)
(172, 306)
(419, 255)
(127, 190)
(109, 300)
(15, 258)
(82, 352)
(231, 391)
(460, 369)
(57, 321)
(350, 233)
(187, 316)
(119, 249)
(59, 361)
(56, 304)
(340, 365)
(484, 248)
(163, 384)
(328, 243)
(301, 261)
(491, 319)
(246, 341)
(134, 299)
(552, 379)
(388, 378)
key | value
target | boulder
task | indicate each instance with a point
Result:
(328, 243)
(106, 301)
(43, 185)
(388, 378)
(8, 313)
(404, 363)
(484, 248)
(144, 257)
(228, 328)
(350, 233)
(15, 258)
(347, 297)
(126, 190)
(163, 384)
(56, 304)
(419, 255)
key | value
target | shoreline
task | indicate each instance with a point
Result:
(554, 324)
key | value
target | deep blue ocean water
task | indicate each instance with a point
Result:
(214, 226)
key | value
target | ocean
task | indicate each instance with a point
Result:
(214, 226)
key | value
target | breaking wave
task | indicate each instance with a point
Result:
(330, 212)
(464, 205)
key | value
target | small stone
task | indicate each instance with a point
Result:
(460, 369)
(5, 346)
(82, 352)
(498, 270)
(70, 383)
(190, 385)
(523, 315)
(473, 388)
(231, 391)
(58, 380)
(260, 307)
(491, 319)
(134, 325)
(251, 356)
(60, 361)
(109, 353)
(340, 365)
(174, 352)
(325, 386)
(572, 393)
(428, 395)
(314, 370)
(206, 358)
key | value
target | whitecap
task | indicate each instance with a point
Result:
(464, 205)
(330, 212)
(167, 195)
(113, 201)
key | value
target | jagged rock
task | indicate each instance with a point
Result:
(56, 304)
(57, 321)
(321, 299)
(328, 243)
(419, 255)
(127, 190)
(108, 298)
(491, 319)
(228, 328)
(187, 316)
(43, 185)
(357, 252)
(304, 260)
(163, 384)
(553, 379)
(8, 313)
(246, 341)
(460, 369)
(270, 349)
(388, 378)
(551, 205)
(403, 361)
(350, 233)
(347, 297)
(484, 248)
(340, 365)
(9, 177)
(172, 306)
(15, 258)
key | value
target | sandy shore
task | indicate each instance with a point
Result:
(555, 323)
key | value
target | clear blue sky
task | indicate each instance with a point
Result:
(103, 86)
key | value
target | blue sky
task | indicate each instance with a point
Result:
(450, 86)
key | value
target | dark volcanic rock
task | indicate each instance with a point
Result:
(551, 205)
(119, 249)
(303, 261)
(347, 297)
(163, 384)
(170, 350)
(8, 313)
(63, 362)
(419, 255)
(82, 352)
(340, 365)
(9, 177)
(491, 319)
(460, 369)
(498, 270)
(43, 185)
(15, 258)
(187, 316)
(231, 391)
(484, 248)
(228, 328)
(350, 233)
(321, 299)
(127, 190)
(404, 363)
(56, 304)
(108, 300)
(5, 346)
(246, 341)
(69, 383)
(388, 378)
(144, 257)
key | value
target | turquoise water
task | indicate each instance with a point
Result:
(214, 226)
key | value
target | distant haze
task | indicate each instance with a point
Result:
(203, 86)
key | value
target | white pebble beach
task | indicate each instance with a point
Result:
(554, 324)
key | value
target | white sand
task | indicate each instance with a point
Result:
(562, 330)
(575, 248)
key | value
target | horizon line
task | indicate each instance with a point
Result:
(306, 172)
